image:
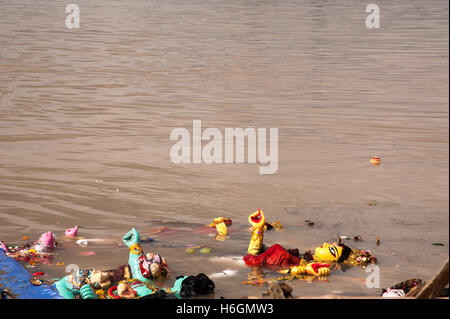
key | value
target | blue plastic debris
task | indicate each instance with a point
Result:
(147, 240)
(16, 279)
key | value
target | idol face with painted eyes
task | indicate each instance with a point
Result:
(343, 253)
(334, 252)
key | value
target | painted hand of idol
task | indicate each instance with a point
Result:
(131, 238)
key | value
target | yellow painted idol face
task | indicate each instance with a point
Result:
(328, 252)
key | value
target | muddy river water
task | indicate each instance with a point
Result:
(86, 116)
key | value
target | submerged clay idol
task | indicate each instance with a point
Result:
(145, 268)
(33, 252)
(258, 221)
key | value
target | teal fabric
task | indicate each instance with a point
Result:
(176, 288)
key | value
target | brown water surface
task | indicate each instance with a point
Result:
(86, 115)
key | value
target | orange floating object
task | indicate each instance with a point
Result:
(87, 253)
(375, 161)
(24, 237)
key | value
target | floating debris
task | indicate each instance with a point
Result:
(40, 273)
(193, 250)
(72, 232)
(277, 225)
(82, 242)
(278, 291)
(372, 203)
(393, 293)
(190, 250)
(220, 224)
(205, 250)
(404, 286)
(309, 223)
(35, 281)
(378, 241)
(375, 161)
(87, 253)
(437, 244)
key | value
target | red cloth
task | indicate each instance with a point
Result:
(276, 255)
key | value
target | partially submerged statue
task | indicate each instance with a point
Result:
(278, 257)
(33, 252)
(130, 281)
(148, 267)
